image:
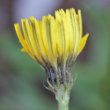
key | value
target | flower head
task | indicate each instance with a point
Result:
(54, 42)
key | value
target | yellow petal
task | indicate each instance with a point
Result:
(82, 43)
(80, 22)
(23, 42)
(60, 33)
(46, 37)
(19, 34)
(71, 30)
(77, 37)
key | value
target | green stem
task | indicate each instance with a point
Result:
(63, 104)
(63, 96)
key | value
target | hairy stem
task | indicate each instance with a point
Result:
(62, 96)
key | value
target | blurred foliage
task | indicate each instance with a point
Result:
(21, 79)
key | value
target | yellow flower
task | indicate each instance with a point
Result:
(55, 43)
(54, 40)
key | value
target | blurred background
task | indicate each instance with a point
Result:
(21, 79)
